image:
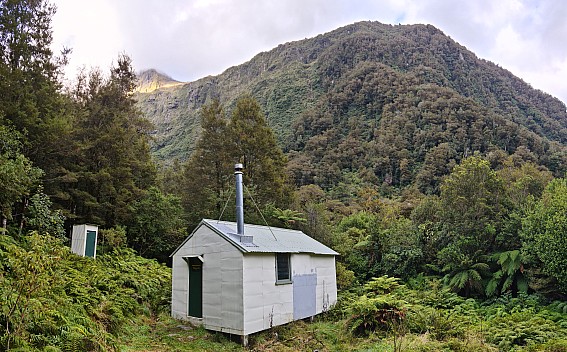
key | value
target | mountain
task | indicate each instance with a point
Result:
(391, 104)
(150, 80)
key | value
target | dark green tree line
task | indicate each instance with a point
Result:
(244, 138)
(112, 165)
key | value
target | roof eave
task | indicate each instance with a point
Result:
(186, 239)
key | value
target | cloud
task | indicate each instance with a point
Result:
(88, 31)
(191, 39)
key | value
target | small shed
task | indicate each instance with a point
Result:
(248, 282)
(83, 240)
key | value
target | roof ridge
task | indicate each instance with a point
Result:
(253, 225)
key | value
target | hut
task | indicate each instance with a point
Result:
(240, 278)
(83, 240)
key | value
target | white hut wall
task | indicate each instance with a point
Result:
(222, 281)
(78, 239)
(266, 303)
(326, 281)
(314, 284)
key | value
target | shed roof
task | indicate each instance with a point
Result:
(265, 239)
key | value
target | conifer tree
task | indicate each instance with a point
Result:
(113, 164)
(29, 79)
(207, 173)
(256, 147)
(246, 138)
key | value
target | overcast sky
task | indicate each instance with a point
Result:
(190, 39)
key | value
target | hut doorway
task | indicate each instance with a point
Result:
(195, 299)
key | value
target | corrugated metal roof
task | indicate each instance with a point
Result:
(269, 239)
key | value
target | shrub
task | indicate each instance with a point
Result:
(521, 329)
(52, 299)
(376, 313)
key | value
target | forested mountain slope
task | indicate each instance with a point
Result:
(395, 104)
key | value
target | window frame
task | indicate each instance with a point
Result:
(287, 280)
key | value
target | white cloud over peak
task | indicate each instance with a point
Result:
(192, 39)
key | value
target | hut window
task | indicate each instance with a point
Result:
(283, 268)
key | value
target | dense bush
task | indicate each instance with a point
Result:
(52, 298)
(447, 321)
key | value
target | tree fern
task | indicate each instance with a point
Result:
(510, 276)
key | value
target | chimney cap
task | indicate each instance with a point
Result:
(238, 167)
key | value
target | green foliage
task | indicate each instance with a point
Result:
(255, 146)
(434, 294)
(402, 249)
(206, 174)
(114, 237)
(31, 101)
(381, 285)
(520, 329)
(156, 226)
(345, 277)
(472, 204)
(246, 138)
(53, 299)
(441, 324)
(289, 217)
(17, 174)
(378, 308)
(376, 313)
(112, 163)
(358, 242)
(511, 274)
(543, 232)
(42, 218)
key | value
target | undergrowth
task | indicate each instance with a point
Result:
(53, 300)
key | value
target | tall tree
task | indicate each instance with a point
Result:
(29, 80)
(544, 233)
(207, 174)
(246, 138)
(113, 164)
(472, 205)
(17, 175)
(256, 147)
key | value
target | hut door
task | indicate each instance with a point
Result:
(90, 244)
(195, 298)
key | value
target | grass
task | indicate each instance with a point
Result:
(162, 333)
(166, 334)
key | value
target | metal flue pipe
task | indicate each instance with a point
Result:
(239, 200)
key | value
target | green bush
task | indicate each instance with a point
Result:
(51, 298)
(521, 329)
(377, 313)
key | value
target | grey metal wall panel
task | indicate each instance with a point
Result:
(304, 296)
(265, 303)
(326, 282)
(78, 238)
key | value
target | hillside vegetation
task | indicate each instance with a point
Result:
(363, 78)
